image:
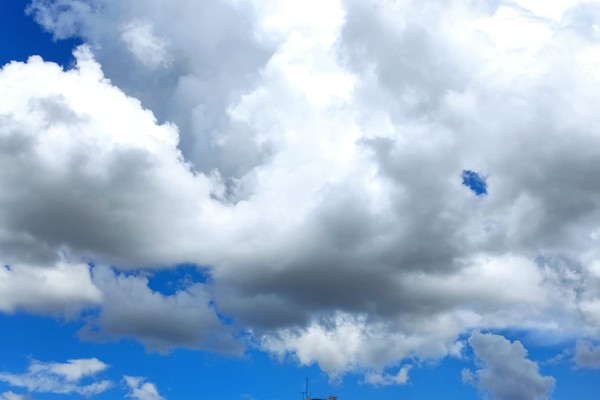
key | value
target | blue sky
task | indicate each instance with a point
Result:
(221, 199)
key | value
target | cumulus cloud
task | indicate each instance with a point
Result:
(71, 377)
(214, 57)
(131, 309)
(59, 289)
(586, 355)
(346, 342)
(316, 167)
(141, 390)
(506, 373)
(83, 159)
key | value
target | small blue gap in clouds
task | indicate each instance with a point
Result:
(475, 182)
(170, 280)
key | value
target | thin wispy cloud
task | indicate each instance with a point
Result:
(60, 378)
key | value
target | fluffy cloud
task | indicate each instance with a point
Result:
(83, 159)
(132, 309)
(319, 169)
(213, 57)
(61, 378)
(587, 355)
(506, 373)
(346, 342)
(150, 50)
(141, 390)
(60, 289)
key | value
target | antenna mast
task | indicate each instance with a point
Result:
(304, 394)
(306, 389)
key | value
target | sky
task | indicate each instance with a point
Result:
(394, 199)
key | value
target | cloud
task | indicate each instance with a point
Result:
(315, 168)
(74, 370)
(149, 50)
(60, 289)
(349, 343)
(132, 310)
(586, 355)
(81, 156)
(506, 373)
(61, 378)
(213, 55)
(141, 390)
(14, 396)
(385, 379)
(85, 159)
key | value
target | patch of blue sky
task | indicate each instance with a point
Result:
(184, 374)
(474, 181)
(170, 280)
(22, 37)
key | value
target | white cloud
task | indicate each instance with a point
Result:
(213, 55)
(86, 159)
(14, 396)
(141, 41)
(346, 342)
(60, 289)
(386, 379)
(141, 390)
(554, 9)
(61, 378)
(321, 178)
(63, 25)
(73, 370)
(506, 373)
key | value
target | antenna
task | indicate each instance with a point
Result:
(304, 394)
(306, 388)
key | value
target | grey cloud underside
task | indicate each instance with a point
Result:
(91, 196)
(132, 310)
(587, 355)
(532, 135)
(319, 211)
